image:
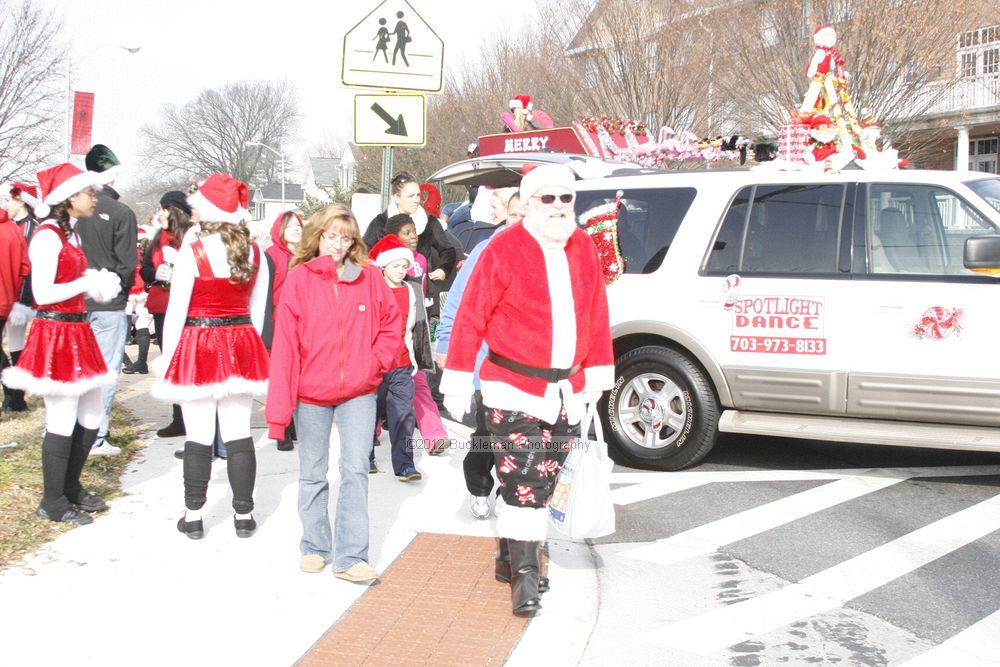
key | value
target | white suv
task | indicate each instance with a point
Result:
(796, 304)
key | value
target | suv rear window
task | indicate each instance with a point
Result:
(780, 229)
(647, 222)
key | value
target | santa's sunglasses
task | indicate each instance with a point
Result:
(551, 199)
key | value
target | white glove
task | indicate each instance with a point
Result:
(164, 272)
(102, 286)
(159, 365)
(457, 405)
(20, 315)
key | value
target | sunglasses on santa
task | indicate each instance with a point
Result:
(551, 199)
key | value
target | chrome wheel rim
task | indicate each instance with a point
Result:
(651, 411)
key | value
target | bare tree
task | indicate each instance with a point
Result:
(210, 133)
(31, 88)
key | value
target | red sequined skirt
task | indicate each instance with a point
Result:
(59, 359)
(213, 362)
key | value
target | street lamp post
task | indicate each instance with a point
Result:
(281, 156)
(69, 85)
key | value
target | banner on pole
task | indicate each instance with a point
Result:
(83, 122)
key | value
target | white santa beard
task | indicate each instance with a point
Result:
(551, 230)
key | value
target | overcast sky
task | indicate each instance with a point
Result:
(188, 45)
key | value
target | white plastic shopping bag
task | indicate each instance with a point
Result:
(580, 506)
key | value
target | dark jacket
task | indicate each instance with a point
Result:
(433, 243)
(108, 239)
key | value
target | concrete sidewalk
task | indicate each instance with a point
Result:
(129, 589)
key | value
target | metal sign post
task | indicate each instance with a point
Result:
(386, 175)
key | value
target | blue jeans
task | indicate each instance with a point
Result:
(111, 329)
(356, 426)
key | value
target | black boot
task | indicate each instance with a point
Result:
(501, 567)
(175, 427)
(13, 399)
(83, 440)
(55, 463)
(524, 577)
(139, 365)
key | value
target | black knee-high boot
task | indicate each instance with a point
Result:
(139, 365)
(176, 425)
(83, 440)
(13, 399)
(501, 567)
(241, 465)
(55, 462)
(524, 576)
(197, 472)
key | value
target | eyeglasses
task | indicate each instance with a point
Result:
(551, 199)
(335, 239)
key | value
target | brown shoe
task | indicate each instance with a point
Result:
(358, 573)
(312, 563)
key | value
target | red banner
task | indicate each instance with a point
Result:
(83, 122)
(552, 140)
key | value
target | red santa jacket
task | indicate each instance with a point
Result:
(534, 318)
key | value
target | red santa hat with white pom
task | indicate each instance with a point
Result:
(220, 198)
(61, 182)
(388, 250)
(521, 102)
(26, 193)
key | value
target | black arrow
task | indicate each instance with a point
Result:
(397, 126)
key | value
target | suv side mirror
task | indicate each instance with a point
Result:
(982, 254)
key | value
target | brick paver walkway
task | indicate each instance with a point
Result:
(438, 604)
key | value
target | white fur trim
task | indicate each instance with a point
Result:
(387, 257)
(234, 386)
(529, 524)
(419, 216)
(599, 378)
(209, 212)
(19, 378)
(458, 383)
(497, 394)
(72, 185)
(515, 104)
(602, 210)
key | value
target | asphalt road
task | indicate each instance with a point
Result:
(795, 552)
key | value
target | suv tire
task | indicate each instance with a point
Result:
(662, 412)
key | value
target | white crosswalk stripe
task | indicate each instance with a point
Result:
(713, 631)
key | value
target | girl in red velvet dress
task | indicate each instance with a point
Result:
(214, 361)
(61, 360)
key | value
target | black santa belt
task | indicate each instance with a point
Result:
(59, 316)
(547, 374)
(217, 321)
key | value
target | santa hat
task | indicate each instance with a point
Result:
(819, 120)
(61, 182)
(26, 193)
(824, 31)
(549, 175)
(521, 102)
(220, 198)
(388, 250)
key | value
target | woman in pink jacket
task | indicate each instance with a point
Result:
(336, 332)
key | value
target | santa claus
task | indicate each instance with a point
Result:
(537, 298)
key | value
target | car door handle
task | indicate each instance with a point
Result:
(890, 305)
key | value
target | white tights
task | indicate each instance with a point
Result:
(234, 418)
(63, 412)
